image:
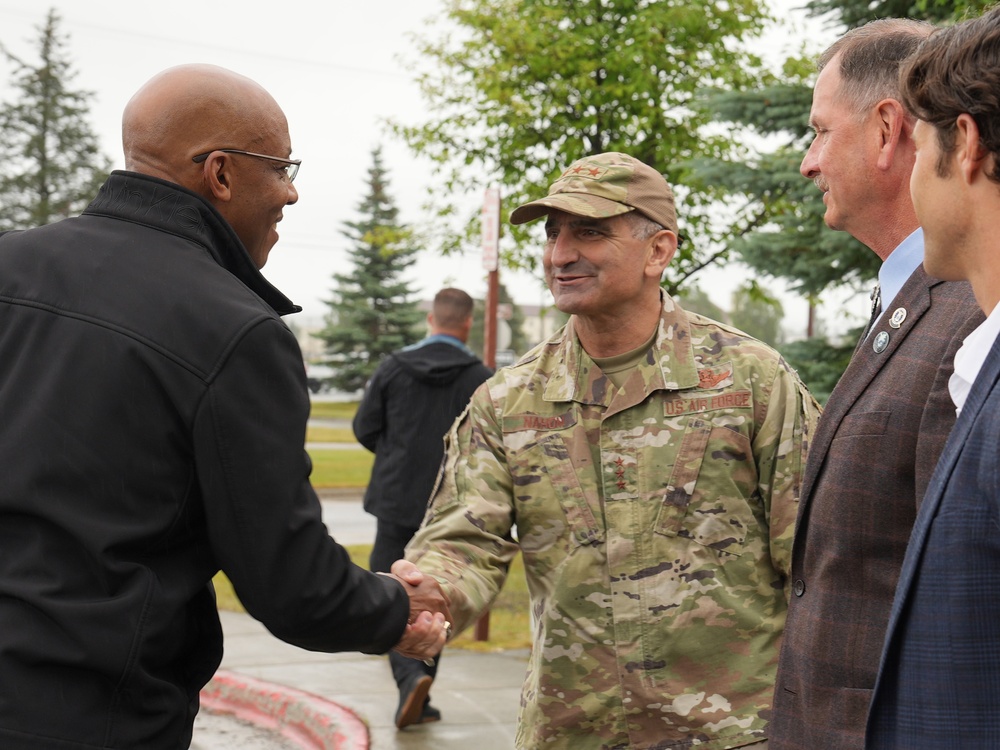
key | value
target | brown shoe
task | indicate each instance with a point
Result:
(411, 700)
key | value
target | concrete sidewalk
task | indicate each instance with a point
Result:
(348, 701)
(478, 693)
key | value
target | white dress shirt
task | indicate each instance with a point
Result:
(970, 357)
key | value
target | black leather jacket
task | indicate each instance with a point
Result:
(152, 422)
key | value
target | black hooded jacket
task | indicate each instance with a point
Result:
(153, 409)
(409, 404)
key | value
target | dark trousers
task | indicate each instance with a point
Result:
(390, 541)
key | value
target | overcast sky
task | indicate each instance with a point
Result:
(337, 69)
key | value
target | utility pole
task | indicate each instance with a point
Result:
(491, 263)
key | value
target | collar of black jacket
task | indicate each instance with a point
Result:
(171, 208)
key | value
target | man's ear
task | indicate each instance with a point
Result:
(467, 327)
(892, 129)
(661, 252)
(970, 155)
(216, 172)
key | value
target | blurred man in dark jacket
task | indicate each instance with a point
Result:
(408, 406)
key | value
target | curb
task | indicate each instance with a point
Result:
(309, 721)
(340, 493)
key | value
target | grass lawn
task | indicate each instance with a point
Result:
(335, 467)
(509, 617)
(333, 409)
(330, 435)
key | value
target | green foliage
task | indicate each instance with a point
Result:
(781, 212)
(757, 313)
(795, 243)
(754, 310)
(776, 108)
(784, 235)
(524, 87)
(790, 240)
(853, 13)
(694, 299)
(50, 161)
(371, 313)
(819, 362)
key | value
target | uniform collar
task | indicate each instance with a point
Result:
(669, 365)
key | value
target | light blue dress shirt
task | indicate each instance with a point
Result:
(898, 267)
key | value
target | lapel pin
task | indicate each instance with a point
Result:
(881, 342)
(898, 316)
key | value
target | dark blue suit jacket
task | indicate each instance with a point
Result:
(939, 678)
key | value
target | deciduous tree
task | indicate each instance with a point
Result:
(524, 87)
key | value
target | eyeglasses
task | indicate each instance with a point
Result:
(291, 165)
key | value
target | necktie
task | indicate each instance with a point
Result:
(876, 298)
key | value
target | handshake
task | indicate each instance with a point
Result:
(429, 626)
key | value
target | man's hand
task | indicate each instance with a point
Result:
(428, 627)
(425, 637)
(425, 593)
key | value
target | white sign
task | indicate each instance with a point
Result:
(491, 228)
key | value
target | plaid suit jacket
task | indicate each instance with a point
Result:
(870, 461)
(939, 678)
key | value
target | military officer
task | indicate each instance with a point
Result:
(649, 459)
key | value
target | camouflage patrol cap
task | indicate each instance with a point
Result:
(606, 185)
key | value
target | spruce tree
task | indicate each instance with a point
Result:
(50, 163)
(786, 236)
(371, 312)
(854, 13)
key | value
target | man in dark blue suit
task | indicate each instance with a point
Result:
(939, 678)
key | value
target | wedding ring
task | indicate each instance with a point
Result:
(447, 629)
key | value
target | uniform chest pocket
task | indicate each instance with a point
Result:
(712, 484)
(550, 501)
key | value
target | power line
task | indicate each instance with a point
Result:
(69, 23)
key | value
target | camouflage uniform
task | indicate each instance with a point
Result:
(656, 527)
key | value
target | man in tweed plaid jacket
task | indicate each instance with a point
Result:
(887, 419)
